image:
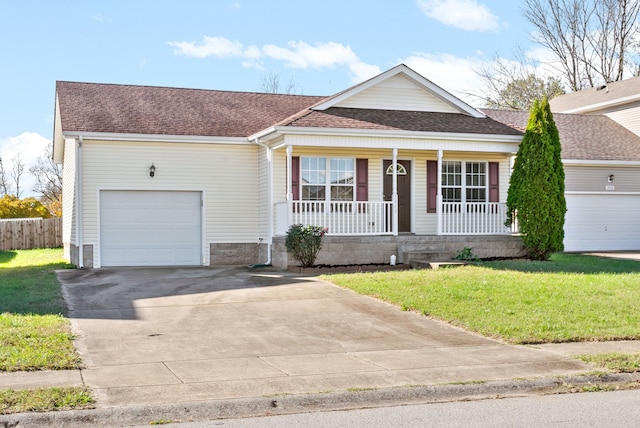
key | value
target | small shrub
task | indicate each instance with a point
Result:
(467, 254)
(304, 243)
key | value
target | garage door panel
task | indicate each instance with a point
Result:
(150, 228)
(602, 223)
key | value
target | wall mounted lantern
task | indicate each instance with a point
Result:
(152, 170)
(610, 178)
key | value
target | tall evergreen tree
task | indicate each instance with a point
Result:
(536, 188)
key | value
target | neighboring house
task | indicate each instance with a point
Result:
(619, 101)
(167, 176)
(601, 162)
(607, 213)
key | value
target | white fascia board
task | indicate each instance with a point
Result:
(584, 162)
(192, 139)
(418, 78)
(348, 132)
(604, 105)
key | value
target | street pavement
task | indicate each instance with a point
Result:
(233, 341)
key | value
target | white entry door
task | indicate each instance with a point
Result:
(602, 223)
(150, 228)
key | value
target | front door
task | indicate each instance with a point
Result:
(404, 191)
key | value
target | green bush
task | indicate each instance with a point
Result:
(304, 243)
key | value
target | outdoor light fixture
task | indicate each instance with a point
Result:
(152, 170)
(611, 177)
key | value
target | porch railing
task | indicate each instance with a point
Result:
(376, 218)
(343, 218)
(475, 218)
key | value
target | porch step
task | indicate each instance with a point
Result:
(430, 259)
(425, 256)
(436, 264)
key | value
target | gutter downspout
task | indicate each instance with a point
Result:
(269, 201)
(79, 230)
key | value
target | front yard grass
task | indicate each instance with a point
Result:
(615, 361)
(45, 400)
(34, 334)
(572, 297)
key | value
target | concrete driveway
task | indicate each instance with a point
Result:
(167, 335)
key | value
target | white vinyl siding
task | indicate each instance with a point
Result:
(595, 179)
(627, 116)
(224, 173)
(68, 195)
(398, 93)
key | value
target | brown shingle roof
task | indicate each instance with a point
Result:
(92, 107)
(351, 118)
(583, 137)
(612, 91)
(131, 109)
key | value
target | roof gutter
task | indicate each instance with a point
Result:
(586, 162)
(154, 138)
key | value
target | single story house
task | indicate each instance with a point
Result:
(158, 176)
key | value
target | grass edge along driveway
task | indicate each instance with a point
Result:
(571, 297)
(34, 332)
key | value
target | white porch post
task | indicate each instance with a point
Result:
(289, 189)
(439, 194)
(394, 197)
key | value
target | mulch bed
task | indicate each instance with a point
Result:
(373, 267)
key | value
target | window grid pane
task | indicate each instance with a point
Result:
(451, 181)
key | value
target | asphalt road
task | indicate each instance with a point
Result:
(595, 409)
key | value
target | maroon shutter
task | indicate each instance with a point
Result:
(295, 177)
(494, 182)
(362, 179)
(432, 185)
(362, 182)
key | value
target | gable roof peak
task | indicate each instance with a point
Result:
(417, 78)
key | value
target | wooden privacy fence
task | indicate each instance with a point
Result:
(28, 233)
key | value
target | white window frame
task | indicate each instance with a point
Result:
(466, 179)
(327, 174)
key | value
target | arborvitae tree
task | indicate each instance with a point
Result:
(536, 188)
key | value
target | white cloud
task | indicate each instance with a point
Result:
(29, 145)
(453, 74)
(215, 46)
(296, 54)
(468, 15)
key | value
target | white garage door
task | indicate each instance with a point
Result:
(150, 228)
(602, 223)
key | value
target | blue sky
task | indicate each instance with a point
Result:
(322, 47)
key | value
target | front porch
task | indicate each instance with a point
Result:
(341, 250)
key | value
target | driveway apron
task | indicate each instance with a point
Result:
(167, 335)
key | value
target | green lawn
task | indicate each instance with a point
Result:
(34, 334)
(569, 298)
(45, 400)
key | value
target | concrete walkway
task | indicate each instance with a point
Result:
(166, 335)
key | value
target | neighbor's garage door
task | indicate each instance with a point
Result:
(602, 223)
(150, 228)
